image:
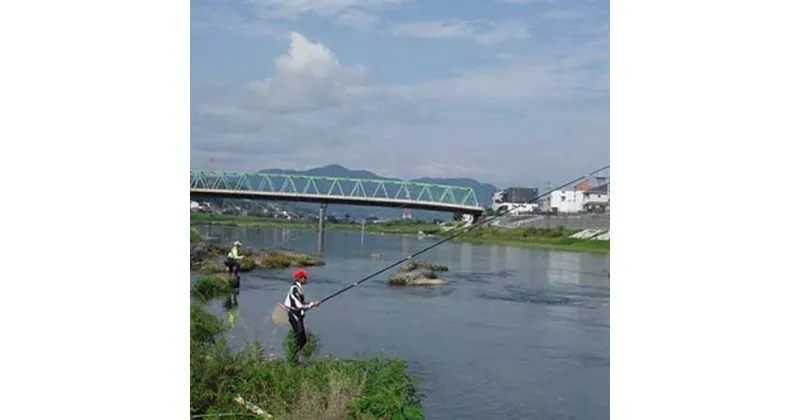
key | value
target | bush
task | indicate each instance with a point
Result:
(308, 350)
(211, 286)
(365, 388)
(388, 393)
(247, 264)
(203, 327)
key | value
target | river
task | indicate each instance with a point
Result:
(517, 333)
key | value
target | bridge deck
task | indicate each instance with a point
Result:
(322, 189)
(335, 199)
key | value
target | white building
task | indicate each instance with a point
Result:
(575, 201)
(597, 198)
(200, 206)
(498, 200)
(517, 196)
(563, 201)
(517, 209)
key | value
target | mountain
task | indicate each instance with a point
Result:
(337, 171)
(483, 191)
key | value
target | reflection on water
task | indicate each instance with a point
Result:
(405, 242)
(465, 257)
(516, 333)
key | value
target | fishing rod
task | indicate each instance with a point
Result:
(458, 233)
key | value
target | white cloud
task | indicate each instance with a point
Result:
(290, 9)
(486, 33)
(357, 19)
(219, 18)
(316, 110)
(308, 78)
(560, 71)
(561, 14)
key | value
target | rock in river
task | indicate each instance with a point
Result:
(209, 258)
(412, 265)
(418, 277)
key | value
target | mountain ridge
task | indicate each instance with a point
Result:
(483, 191)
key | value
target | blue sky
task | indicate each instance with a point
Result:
(504, 91)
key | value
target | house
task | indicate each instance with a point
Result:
(577, 200)
(596, 199)
(564, 201)
(517, 209)
(514, 195)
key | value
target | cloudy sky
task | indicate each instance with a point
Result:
(504, 91)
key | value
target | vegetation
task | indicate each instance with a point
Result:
(330, 388)
(308, 351)
(201, 218)
(194, 237)
(554, 238)
(412, 265)
(211, 286)
(280, 259)
(229, 383)
(398, 227)
(210, 259)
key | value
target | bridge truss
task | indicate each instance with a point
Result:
(334, 187)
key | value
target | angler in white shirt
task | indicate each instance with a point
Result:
(295, 303)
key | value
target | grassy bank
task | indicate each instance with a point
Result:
(399, 227)
(194, 237)
(224, 380)
(228, 383)
(551, 238)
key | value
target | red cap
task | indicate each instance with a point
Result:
(300, 273)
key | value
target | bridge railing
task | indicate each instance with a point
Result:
(334, 187)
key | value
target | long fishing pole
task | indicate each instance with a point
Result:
(458, 233)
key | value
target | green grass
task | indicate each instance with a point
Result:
(552, 238)
(309, 349)
(198, 218)
(368, 387)
(399, 227)
(194, 237)
(211, 286)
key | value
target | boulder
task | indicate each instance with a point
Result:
(418, 277)
(412, 265)
(211, 265)
(210, 258)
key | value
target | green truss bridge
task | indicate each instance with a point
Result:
(332, 190)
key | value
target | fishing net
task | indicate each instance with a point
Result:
(279, 315)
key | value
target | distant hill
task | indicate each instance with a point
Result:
(483, 191)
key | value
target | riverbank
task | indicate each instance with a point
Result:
(395, 227)
(245, 382)
(550, 238)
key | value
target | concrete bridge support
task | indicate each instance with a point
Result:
(321, 238)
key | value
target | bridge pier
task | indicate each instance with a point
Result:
(321, 229)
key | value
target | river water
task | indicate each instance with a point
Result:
(517, 333)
